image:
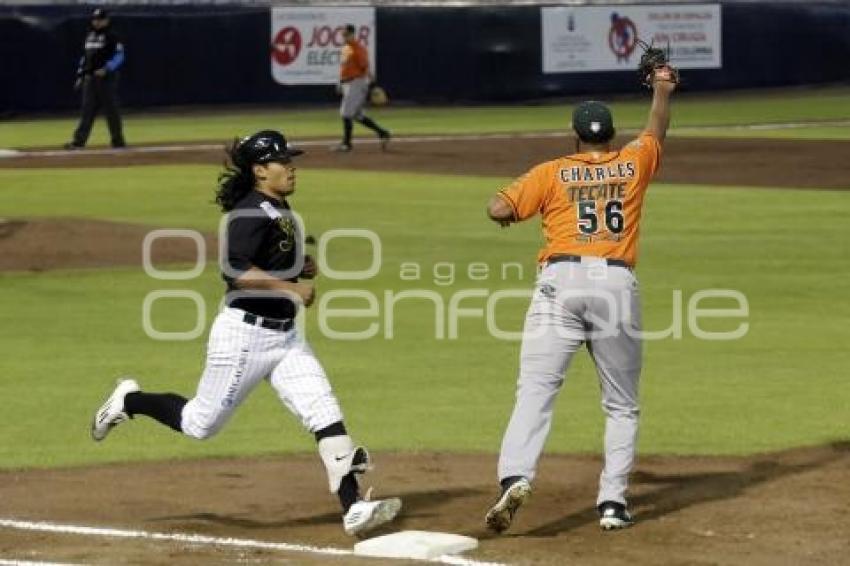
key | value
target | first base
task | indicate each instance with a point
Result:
(422, 545)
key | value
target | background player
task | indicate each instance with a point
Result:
(254, 337)
(97, 75)
(586, 293)
(354, 80)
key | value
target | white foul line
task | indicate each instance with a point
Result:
(46, 527)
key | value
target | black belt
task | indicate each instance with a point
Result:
(577, 259)
(270, 323)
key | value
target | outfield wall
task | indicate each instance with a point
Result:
(179, 55)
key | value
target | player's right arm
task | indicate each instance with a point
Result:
(659, 113)
(255, 279)
(522, 199)
(500, 211)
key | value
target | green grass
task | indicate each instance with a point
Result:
(66, 334)
(797, 133)
(171, 197)
(689, 110)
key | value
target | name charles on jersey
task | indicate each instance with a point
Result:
(597, 174)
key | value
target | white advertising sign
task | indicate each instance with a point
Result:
(604, 38)
(306, 42)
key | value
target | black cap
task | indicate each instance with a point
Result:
(265, 146)
(593, 122)
(99, 14)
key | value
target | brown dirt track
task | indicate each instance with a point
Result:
(743, 162)
(63, 243)
(773, 509)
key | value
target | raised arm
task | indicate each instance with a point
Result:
(663, 85)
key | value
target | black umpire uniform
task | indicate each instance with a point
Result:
(97, 75)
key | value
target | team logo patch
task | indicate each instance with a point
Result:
(287, 239)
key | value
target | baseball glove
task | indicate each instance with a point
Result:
(377, 95)
(655, 65)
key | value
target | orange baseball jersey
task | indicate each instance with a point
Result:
(354, 61)
(590, 207)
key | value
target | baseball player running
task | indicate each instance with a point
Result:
(586, 293)
(354, 80)
(253, 338)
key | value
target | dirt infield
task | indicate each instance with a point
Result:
(60, 243)
(747, 162)
(785, 508)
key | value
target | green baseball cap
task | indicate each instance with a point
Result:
(592, 122)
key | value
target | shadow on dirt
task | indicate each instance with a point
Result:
(416, 504)
(679, 491)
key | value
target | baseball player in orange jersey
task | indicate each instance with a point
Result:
(586, 293)
(354, 80)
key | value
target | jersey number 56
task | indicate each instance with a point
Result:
(588, 218)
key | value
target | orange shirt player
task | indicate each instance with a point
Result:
(586, 294)
(590, 201)
(354, 80)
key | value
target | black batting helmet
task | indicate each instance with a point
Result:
(265, 146)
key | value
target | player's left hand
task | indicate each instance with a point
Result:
(100, 72)
(665, 78)
(311, 268)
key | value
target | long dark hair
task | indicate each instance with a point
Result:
(235, 181)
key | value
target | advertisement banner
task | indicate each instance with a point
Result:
(605, 38)
(306, 42)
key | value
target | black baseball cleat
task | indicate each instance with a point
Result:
(71, 146)
(384, 140)
(501, 514)
(613, 515)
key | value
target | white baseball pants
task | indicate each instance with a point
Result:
(239, 356)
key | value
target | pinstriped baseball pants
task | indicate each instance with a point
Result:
(239, 356)
(573, 304)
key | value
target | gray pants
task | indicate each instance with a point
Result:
(573, 304)
(354, 94)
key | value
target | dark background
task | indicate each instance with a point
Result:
(179, 55)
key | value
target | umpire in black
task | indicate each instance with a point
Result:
(97, 75)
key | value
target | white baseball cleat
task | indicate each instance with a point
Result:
(112, 413)
(501, 514)
(366, 515)
(341, 148)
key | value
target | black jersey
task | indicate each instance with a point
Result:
(262, 233)
(100, 48)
